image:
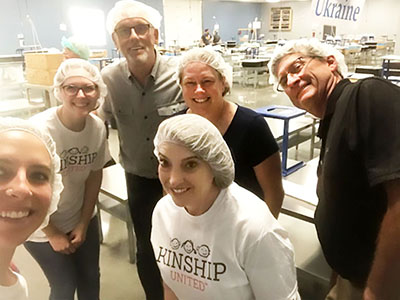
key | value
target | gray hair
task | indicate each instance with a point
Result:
(210, 58)
(307, 47)
(202, 138)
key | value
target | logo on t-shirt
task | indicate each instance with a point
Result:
(76, 159)
(189, 263)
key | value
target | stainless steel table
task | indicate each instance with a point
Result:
(300, 198)
(113, 199)
(300, 192)
(47, 93)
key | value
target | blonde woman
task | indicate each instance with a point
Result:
(68, 248)
(29, 191)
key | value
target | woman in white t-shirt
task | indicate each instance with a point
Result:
(213, 239)
(68, 249)
(29, 192)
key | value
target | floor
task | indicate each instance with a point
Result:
(119, 280)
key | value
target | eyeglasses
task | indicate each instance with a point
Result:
(295, 68)
(72, 90)
(125, 32)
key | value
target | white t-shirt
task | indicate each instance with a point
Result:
(18, 291)
(235, 250)
(80, 153)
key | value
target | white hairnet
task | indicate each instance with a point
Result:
(308, 47)
(78, 67)
(9, 124)
(210, 58)
(126, 9)
(77, 46)
(202, 138)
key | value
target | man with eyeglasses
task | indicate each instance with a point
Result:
(141, 93)
(358, 214)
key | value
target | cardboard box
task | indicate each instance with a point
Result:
(40, 76)
(98, 53)
(44, 61)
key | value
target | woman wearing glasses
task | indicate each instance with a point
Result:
(68, 248)
(205, 79)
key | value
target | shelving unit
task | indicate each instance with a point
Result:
(281, 19)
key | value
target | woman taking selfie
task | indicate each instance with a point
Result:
(68, 248)
(213, 239)
(29, 193)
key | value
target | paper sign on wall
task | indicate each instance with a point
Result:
(338, 10)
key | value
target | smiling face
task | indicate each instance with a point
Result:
(25, 187)
(187, 178)
(202, 88)
(308, 81)
(84, 100)
(138, 47)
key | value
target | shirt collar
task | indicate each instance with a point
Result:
(331, 105)
(125, 69)
(337, 91)
(153, 73)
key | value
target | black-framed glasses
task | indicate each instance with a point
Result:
(72, 90)
(125, 32)
(296, 67)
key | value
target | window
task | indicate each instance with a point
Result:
(88, 25)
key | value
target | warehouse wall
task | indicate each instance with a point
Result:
(378, 17)
(183, 22)
(230, 16)
(47, 17)
(301, 25)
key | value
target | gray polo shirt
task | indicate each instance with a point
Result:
(138, 111)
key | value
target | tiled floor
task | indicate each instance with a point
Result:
(119, 280)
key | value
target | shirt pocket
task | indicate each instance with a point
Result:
(123, 108)
(170, 109)
(123, 114)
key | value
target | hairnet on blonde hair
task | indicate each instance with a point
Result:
(202, 138)
(126, 9)
(307, 47)
(15, 124)
(78, 67)
(210, 58)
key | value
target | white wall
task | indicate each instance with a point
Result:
(382, 18)
(378, 17)
(301, 26)
(183, 22)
